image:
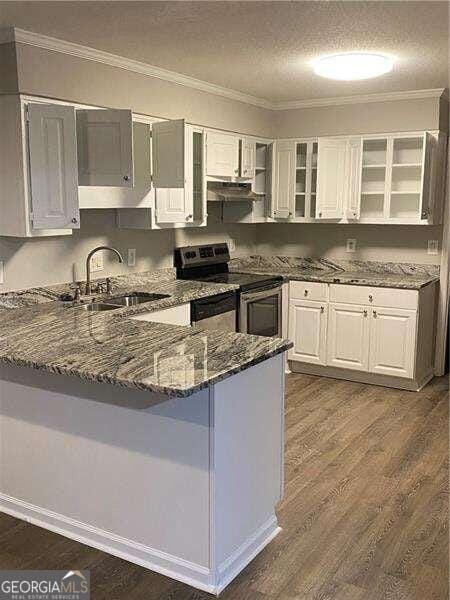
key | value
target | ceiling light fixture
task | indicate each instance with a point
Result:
(353, 66)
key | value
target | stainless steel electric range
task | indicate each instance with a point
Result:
(259, 296)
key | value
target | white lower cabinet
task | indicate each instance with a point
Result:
(392, 341)
(348, 337)
(378, 335)
(308, 325)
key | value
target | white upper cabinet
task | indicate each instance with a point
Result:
(168, 142)
(247, 157)
(53, 166)
(353, 174)
(331, 177)
(283, 179)
(222, 155)
(105, 147)
(177, 171)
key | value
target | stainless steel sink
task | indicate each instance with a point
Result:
(98, 307)
(136, 298)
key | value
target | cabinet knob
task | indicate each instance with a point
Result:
(305, 292)
(189, 218)
(370, 298)
(126, 178)
(322, 309)
(374, 312)
(74, 220)
(365, 313)
(320, 214)
(236, 171)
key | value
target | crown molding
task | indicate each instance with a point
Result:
(360, 99)
(50, 43)
(15, 34)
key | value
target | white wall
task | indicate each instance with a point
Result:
(397, 243)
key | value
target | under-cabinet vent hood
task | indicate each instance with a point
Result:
(219, 192)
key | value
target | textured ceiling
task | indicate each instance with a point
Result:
(260, 48)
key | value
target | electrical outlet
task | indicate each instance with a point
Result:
(351, 245)
(97, 262)
(231, 244)
(2, 273)
(433, 247)
(131, 257)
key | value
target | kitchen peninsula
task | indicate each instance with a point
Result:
(158, 443)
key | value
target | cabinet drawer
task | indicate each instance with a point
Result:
(308, 290)
(374, 296)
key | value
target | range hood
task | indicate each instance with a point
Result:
(221, 192)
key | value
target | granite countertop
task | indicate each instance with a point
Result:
(377, 274)
(62, 338)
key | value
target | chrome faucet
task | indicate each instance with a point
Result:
(88, 264)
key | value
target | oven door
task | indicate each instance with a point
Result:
(260, 312)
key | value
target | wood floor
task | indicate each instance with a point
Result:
(365, 513)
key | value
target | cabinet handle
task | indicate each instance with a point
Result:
(74, 220)
(320, 214)
(126, 178)
(305, 293)
(370, 298)
(374, 312)
(365, 313)
(189, 217)
(322, 309)
(236, 171)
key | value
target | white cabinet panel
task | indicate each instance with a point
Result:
(105, 147)
(307, 329)
(353, 170)
(392, 342)
(53, 166)
(283, 177)
(348, 336)
(247, 159)
(331, 178)
(222, 155)
(168, 154)
(171, 205)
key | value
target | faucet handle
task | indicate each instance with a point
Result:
(76, 287)
(108, 285)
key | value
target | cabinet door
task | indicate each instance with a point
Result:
(247, 159)
(348, 336)
(283, 179)
(331, 178)
(105, 147)
(172, 205)
(53, 166)
(222, 155)
(354, 172)
(428, 187)
(392, 341)
(168, 152)
(307, 329)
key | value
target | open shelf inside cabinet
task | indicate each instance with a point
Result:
(312, 209)
(404, 205)
(300, 181)
(302, 150)
(373, 181)
(406, 178)
(407, 151)
(372, 206)
(261, 157)
(300, 205)
(374, 153)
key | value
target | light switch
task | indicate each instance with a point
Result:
(433, 247)
(351, 245)
(2, 273)
(131, 260)
(231, 244)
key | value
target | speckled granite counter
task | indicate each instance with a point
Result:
(373, 273)
(109, 348)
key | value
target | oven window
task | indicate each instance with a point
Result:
(262, 316)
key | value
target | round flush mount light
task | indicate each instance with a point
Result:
(353, 66)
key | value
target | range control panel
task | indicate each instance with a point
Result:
(196, 256)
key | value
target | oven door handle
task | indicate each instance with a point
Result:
(261, 293)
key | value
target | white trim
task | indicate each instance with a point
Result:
(171, 566)
(236, 562)
(361, 99)
(15, 34)
(50, 43)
